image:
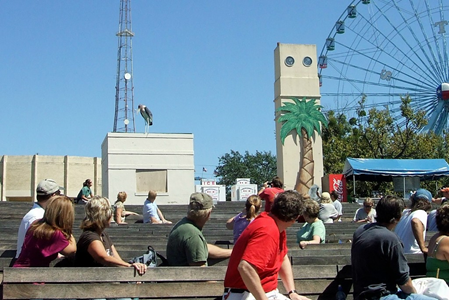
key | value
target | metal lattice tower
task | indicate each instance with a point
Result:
(124, 88)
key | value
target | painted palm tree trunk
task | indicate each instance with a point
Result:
(303, 117)
(305, 177)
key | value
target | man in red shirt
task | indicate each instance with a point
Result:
(260, 254)
(269, 191)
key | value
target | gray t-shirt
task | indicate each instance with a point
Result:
(361, 214)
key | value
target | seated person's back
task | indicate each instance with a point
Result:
(327, 212)
(239, 222)
(151, 212)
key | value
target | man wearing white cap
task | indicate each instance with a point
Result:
(44, 191)
(186, 245)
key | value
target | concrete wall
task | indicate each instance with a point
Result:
(130, 159)
(20, 174)
(298, 81)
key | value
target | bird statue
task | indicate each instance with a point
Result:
(147, 116)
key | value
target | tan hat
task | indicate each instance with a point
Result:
(325, 196)
(200, 201)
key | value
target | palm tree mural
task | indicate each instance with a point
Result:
(303, 117)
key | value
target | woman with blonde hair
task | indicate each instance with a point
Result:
(95, 248)
(327, 212)
(239, 222)
(120, 213)
(50, 235)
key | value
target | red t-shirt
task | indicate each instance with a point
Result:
(263, 246)
(40, 252)
(268, 195)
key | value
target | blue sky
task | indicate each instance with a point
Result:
(203, 67)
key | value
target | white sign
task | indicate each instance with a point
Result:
(213, 192)
(245, 192)
(241, 181)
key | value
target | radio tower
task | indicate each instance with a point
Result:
(124, 88)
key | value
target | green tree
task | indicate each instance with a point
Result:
(377, 134)
(259, 167)
(303, 118)
(336, 142)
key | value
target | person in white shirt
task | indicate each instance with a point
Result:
(411, 229)
(151, 213)
(44, 191)
(337, 205)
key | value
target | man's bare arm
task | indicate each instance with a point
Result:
(418, 229)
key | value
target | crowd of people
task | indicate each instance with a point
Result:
(259, 254)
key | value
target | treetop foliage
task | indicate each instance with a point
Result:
(259, 167)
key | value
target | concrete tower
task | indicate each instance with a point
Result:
(296, 75)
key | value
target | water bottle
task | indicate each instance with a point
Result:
(340, 295)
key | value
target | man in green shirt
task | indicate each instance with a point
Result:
(186, 244)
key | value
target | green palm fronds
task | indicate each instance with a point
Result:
(301, 114)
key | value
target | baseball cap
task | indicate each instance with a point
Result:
(200, 201)
(423, 194)
(47, 187)
(325, 196)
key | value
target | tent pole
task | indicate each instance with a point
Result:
(353, 181)
(403, 180)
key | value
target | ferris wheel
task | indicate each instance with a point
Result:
(381, 50)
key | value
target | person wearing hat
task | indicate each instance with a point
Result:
(44, 191)
(411, 229)
(260, 255)
(186, 245)
(327, 212)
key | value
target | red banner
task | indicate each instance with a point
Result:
(337, 182)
